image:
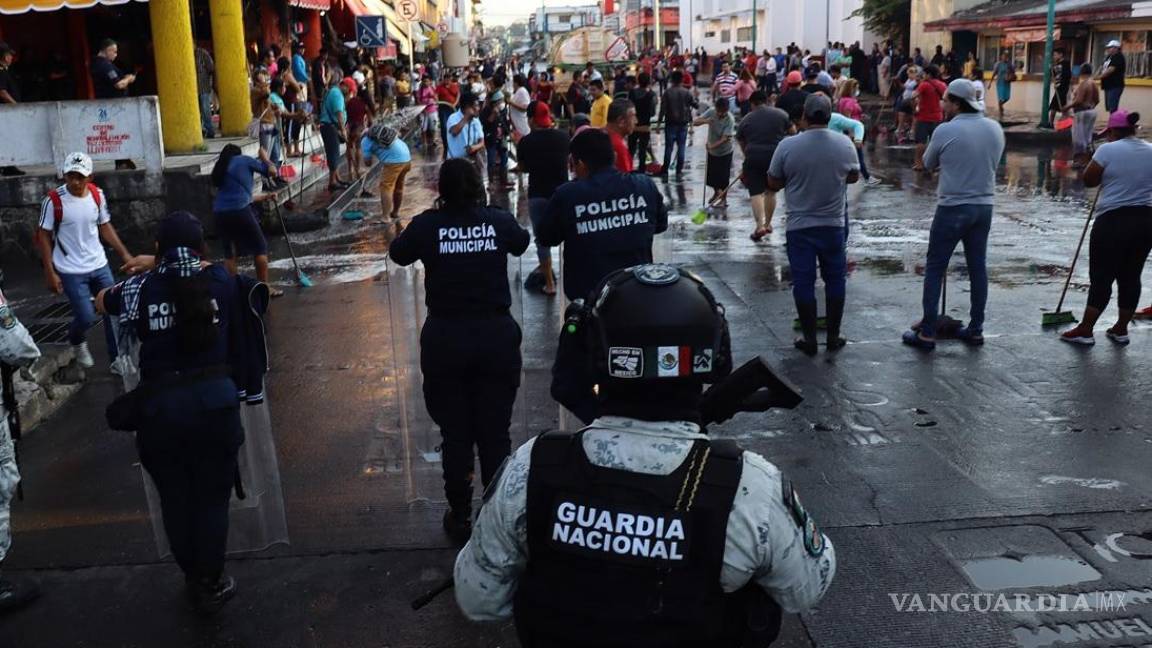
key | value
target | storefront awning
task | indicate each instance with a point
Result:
(318, 5)
(379, 8)
(12, 7)
(1019, 14)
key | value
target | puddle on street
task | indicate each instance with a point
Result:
(1003, 572)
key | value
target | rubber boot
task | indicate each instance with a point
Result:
(807, 315)
(16, 593)
(835, 316)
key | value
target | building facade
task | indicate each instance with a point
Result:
(719, 25)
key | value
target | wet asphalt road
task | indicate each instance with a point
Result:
(1021, 467)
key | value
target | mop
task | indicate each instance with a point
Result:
(1059, 316)
(946, 325)
(300, 276)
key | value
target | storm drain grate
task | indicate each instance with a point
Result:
(50, 324)
(62, 310)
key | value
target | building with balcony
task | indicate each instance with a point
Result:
(720, 25)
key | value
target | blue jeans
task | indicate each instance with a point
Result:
(969, 224)
(536, 209)
(206, 115)
(1112, 99)
(810, 245)
(675, 135)
(80, 289)
(497, 158)
(270, 142)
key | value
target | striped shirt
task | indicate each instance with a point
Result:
(726, 84)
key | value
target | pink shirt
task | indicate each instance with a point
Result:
(427, 96)
(744, 90)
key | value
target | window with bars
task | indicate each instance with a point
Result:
(1134, 45)
(744, 34)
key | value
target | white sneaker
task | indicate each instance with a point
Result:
(872, 181)
(83, 355)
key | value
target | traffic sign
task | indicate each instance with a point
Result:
(370, 31)
(408, 10)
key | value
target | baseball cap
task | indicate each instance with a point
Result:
(78, 163)
(542, 115)
(794, 78)
(349, 83)
(358, 77)
(1114, 43)
(818, 107)
(966, 90)
(1119, 119)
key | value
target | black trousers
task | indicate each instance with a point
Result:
(1120, 243)
(638, 148)
(190, 453)
(444, 112)
(471, 374)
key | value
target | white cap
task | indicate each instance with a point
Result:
(78, 163)
(969, 92)
(358, 77)
(1114, 43)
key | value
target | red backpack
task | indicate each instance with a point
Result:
(58, 211)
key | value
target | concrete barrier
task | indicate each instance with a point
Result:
(42, 133)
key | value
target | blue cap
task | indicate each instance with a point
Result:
(179, 229)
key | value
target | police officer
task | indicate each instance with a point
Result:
(16, 349)
(605, 218)
(638, 530)
(188, 428)
(470, 345)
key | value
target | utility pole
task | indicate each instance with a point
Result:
(657, 35)
(1044, 122)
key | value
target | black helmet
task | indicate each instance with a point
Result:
(657, 325)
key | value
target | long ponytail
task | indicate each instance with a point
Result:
(220, 169)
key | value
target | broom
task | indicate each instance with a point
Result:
(1059, 316)
(946, 325)
(300, 276)
(699, 217)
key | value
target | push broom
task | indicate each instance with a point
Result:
(1058, 317)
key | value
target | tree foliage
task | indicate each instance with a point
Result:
(888, 18)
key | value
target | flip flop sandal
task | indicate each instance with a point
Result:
(275, 292)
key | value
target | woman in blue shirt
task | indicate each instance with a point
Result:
(237, 226)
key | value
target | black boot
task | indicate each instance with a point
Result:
(209, 594)
(16, 593)
(807, 315)
(835, 316)
(458, 525)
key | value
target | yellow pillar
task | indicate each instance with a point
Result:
(231, 65)
(175, 65)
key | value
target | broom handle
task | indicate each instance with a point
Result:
(287, 239)
(1076, 256)
(726, 189)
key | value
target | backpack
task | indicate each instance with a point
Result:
(58, 212)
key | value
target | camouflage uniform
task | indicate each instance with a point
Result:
(17, 349)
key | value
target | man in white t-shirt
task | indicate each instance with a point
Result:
(73, 219)
(518, 106)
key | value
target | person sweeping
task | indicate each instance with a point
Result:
(967, 150)
(721, 126)
(1122, 236)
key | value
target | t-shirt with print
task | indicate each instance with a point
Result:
(77, 247)
(1127, 179)
(814, 166)
(726, 84)
(1116, 79)
(719, 128)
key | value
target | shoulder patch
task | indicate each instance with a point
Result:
(813, 538)
(7, 319)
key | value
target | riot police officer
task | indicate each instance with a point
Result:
(16, 350)
(187, 415)
(470, 345)
(605, 218)
(638, 530)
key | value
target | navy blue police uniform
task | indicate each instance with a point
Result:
(607, 222)
(188, 414)
(470, 344)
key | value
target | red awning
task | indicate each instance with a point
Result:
(318, 5)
